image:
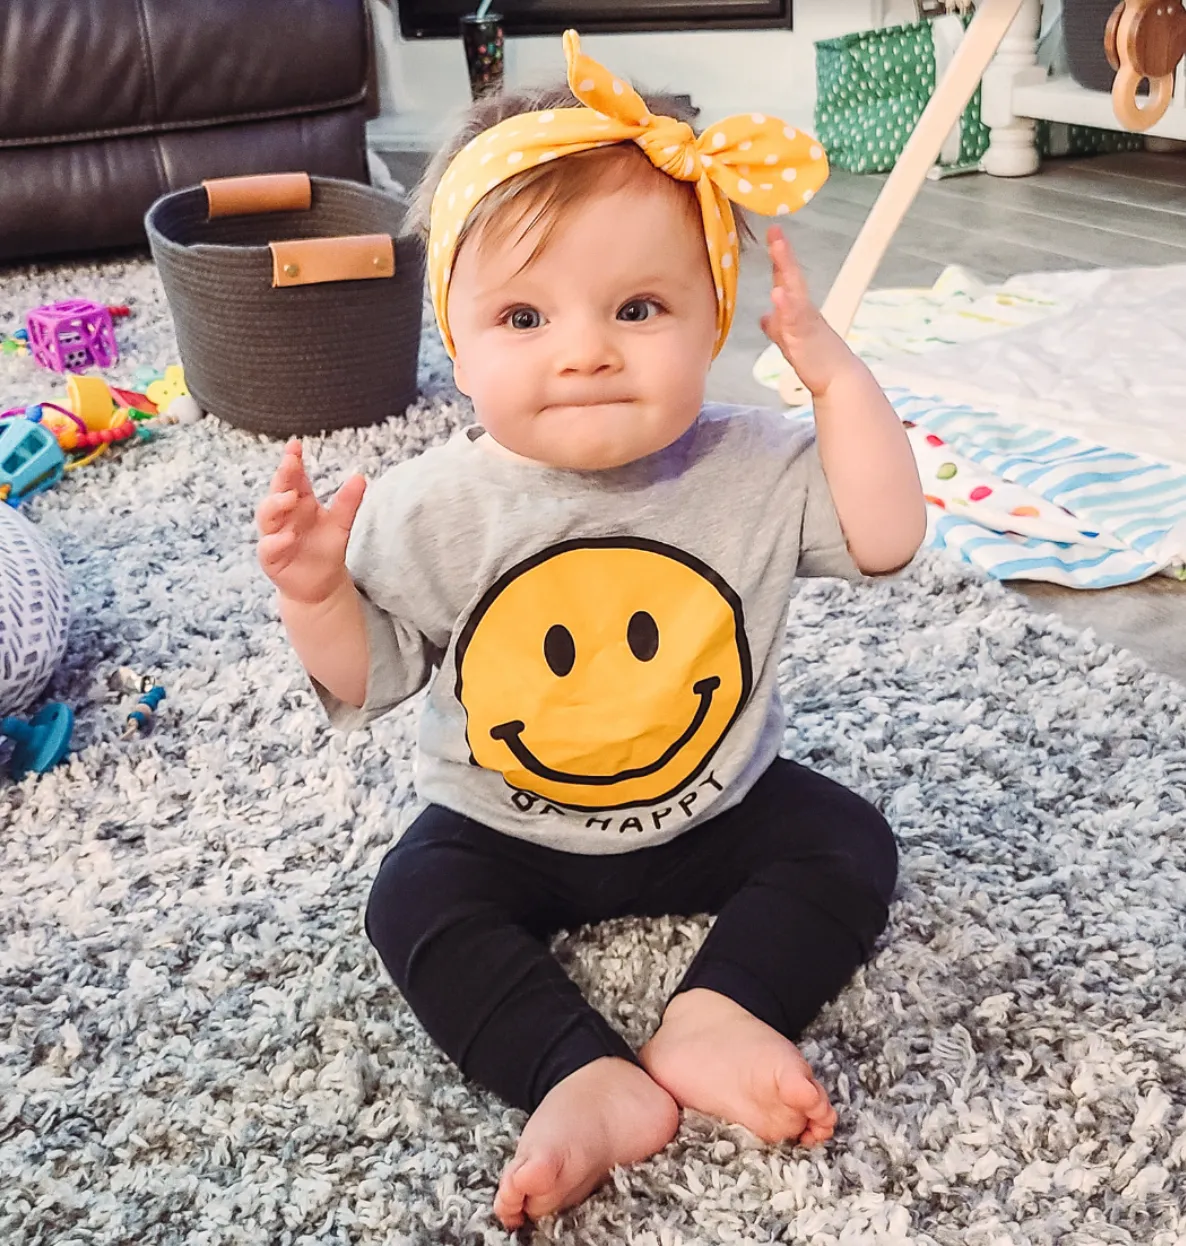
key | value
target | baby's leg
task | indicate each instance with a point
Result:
(811, 867)
(460, 916)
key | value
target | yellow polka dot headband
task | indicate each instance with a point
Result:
(754, 160)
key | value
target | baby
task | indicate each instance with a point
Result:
(593, 580)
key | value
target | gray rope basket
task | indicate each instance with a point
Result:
(290, 359)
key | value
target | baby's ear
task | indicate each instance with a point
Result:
(459, 379)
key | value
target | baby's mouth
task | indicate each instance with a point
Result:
(510, 734)
(597, 402)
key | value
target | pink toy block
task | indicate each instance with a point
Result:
(72, 336)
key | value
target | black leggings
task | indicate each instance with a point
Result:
(800, 872)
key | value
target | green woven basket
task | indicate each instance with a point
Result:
(873, 86)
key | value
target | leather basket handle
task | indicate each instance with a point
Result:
(303, 261)
(263, 192)
(312, 261)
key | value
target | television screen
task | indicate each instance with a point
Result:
(427, 19)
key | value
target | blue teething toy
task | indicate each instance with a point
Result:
(41, 743)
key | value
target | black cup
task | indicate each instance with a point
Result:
(482, 39)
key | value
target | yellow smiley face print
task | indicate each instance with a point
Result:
(604, 673)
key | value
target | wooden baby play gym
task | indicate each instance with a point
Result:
(1145, 41)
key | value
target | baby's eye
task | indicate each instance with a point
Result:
(524, 318)
(638, 310)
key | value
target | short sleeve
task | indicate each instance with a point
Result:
(822, 547)
(400, 663)
(395, 601)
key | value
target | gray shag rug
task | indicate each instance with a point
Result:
(198, 1044)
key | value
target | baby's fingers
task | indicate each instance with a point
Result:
(276, 551)
(792, 316)
(787, 272)
(291, 473)
(275, 511)
(346, 502)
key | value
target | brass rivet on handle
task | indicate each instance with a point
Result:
(292, 270)
(378, 261)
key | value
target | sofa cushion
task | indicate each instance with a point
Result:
(79, 69)
(89, 196)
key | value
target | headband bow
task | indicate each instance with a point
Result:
(753, 160)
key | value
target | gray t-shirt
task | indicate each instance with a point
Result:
(605, 644)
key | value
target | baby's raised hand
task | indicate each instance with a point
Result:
(794, 324)
(302, 546)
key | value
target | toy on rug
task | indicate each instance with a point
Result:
(15, 343)
(40, 744)
(30, 460)
(34, 611)
(74, 335)
(36, 441)
(140, 718)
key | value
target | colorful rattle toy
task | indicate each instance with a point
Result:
(73, 336)
(36, 440)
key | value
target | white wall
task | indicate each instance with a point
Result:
(424, 81)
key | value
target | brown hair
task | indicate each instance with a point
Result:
(540, 195)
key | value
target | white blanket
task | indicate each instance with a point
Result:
(1110, 368)
(1054, 449)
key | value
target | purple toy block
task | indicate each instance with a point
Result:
(72, 336)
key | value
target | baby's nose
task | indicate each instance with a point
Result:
(588, 348)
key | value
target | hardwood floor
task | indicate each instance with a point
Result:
(1110, 211)
(1107, 211)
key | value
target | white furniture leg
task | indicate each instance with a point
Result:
(988, 28)
(1013, 141)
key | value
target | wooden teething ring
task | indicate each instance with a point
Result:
(1144, 39)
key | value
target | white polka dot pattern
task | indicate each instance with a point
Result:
(718, 163)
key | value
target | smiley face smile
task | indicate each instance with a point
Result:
(511, 732)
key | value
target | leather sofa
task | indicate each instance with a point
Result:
(107, 104)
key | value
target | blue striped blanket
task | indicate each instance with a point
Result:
(1025, 502)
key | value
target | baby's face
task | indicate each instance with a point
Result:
(595, 353)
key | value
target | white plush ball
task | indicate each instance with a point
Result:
(34, 611)
(184, 409)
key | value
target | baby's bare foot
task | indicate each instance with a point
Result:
(606, 1113)
(715, 1057)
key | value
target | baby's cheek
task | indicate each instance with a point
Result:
(515, 371)
(505, 398)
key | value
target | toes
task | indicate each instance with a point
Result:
(799, 1090)
(539, 1175)
(510, 1217)
(509, 1220)
(816, 1135)
(542, 1184)
(821, 1122)
(559, 1197)
(821, 1109)
(806, 1113)
(786, 1125)
(507, 1211)
(510, 1198)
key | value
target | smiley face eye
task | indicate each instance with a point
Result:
(560, 650)
(642, 635)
